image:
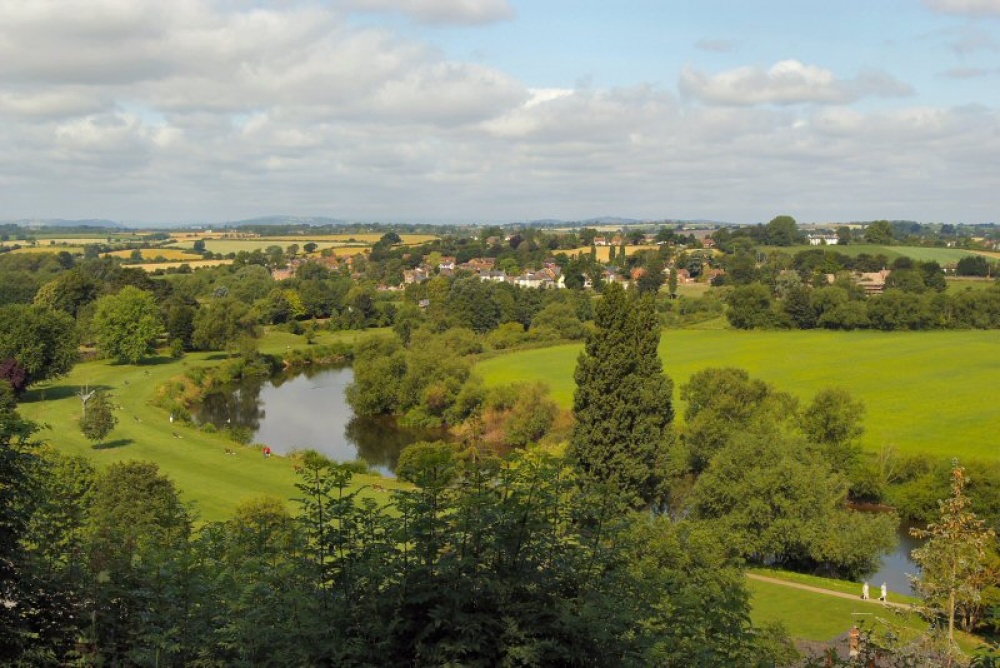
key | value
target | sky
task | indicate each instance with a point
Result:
(474, 111)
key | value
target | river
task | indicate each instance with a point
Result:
(309, 410)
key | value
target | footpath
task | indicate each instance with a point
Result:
(828, 592)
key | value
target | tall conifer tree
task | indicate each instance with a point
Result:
(623, 403)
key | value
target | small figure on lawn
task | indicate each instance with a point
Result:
(267, 451)
(864, 592)
(885, 594)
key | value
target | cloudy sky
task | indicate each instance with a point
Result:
(500, 110)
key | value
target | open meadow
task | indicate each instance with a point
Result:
(943, 256)
(929, 392)
(195, 460)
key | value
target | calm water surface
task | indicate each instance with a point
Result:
(310, 411)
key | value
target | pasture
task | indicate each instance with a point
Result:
(196, 461)
(943, 256)
(927, 392)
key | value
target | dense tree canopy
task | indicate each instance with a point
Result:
(127, 324)
(623, 404)
(43, 341)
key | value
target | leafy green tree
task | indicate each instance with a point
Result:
(69, 292)
(798, 306)
(43, 341)
(843, 235)
(18, 499)
(136, 526)
(561, 319)
(879, 232)
(98, 419)
(835, 421)
(722, 402)
(953, 555)
(782, 231)
(623, 401)
(973, 265)
(379, 368)
(779, 502)
(750, 307)
(127, 324)
(220, 324)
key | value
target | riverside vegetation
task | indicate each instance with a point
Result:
(529, 539)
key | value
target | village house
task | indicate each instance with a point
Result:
(823, 239)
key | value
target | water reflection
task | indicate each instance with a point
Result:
(898, 566)
(309, 410)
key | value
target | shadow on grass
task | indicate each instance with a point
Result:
(111, 445)
(53, 393)
(157, 361)
(216, 356)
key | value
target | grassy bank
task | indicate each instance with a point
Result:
(810, 615)
(214, 481)
(925, 391)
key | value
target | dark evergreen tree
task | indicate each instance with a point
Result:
(623, 403)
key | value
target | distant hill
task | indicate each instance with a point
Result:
(36, 223)
(317, 221)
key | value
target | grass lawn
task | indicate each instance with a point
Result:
(814, 616)
(925, 391)
(842, 586)
(963, 284)
(196, 461)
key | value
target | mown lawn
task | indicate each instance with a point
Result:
(815, 616)
(925, 391)
(214, 481)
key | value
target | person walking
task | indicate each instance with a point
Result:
(864, 592)
(885, 594)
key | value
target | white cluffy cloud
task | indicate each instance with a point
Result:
(786, 82)
(439, 11)
(213, 110)
(971, 7)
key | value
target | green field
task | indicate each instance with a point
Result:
(925, 391)
(196, 461)
(809, 615)
(942, 256)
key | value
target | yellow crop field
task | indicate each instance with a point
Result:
(604, 252)
(49, 249)
(149, 254)
(194, 264)
(360, 238)
(226, 246)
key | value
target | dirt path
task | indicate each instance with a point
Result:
(828, 592)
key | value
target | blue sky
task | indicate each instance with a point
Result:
(500, 110)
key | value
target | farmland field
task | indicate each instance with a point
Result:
(926, 392)
(226, 246)
(46, 248)
(604, 252)
(942, 256)
(150, 253)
